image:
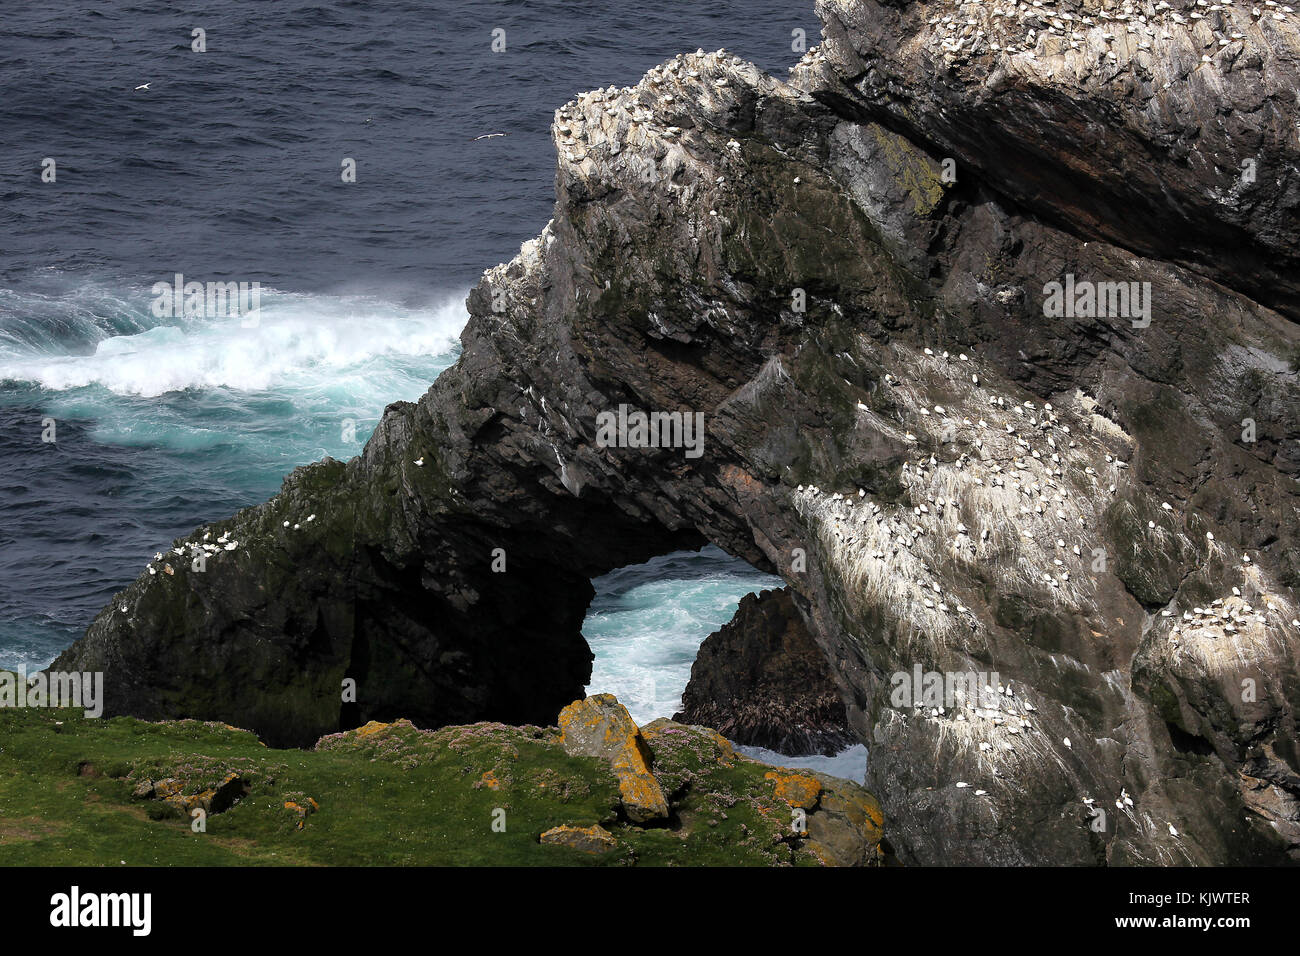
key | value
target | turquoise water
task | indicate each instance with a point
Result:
(228, 169)
(647, 622)
(163, 424)
(646, 625)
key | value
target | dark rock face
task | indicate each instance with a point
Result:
(1132, 131)
(1065, 512)
(762, 680)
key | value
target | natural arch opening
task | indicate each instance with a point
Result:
(713, 622)
(647, 622)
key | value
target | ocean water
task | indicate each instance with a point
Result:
(227, 168)
(647, 621)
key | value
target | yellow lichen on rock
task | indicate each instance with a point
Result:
(372, 728)
(600, 726)
(303, 808)
(592, 839)
(795, 789)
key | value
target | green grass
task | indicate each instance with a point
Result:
(394, 796)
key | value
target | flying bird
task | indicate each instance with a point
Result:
(487, 136)
(143, 86)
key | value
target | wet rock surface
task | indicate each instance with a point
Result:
(1065, 511)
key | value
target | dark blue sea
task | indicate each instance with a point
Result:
(228, 168)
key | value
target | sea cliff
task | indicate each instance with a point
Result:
(851, 274)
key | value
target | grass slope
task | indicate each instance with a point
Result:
(73, 791)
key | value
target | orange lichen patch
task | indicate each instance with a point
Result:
(303, 808)
(875, 815)
(592, 839)
(643, 799)
(726, 752)
(600, 726)
(489, 780)
(167, 788)
(372, 728)
(796, 790)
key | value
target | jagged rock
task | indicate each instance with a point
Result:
(762, 680)
(601, 727)
(836, 821)
(1141, 146)
(593, 839)
(836, 830)
(796, 789)
(300, 809)
(218, 798)
(841, 823)
(791, 261)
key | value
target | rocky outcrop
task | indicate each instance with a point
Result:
(1167, 129)
(762, 680)
(711, 806)
(216, 798)
(832, 821)
(594, 839)
(1090, 507)
(393, 794)
(601, 727)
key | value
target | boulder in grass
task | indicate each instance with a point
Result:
(592, 839)
(600, 726)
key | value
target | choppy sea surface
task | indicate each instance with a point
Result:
(228, 167)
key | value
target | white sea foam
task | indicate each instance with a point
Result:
(299, 341)
(648, 621)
